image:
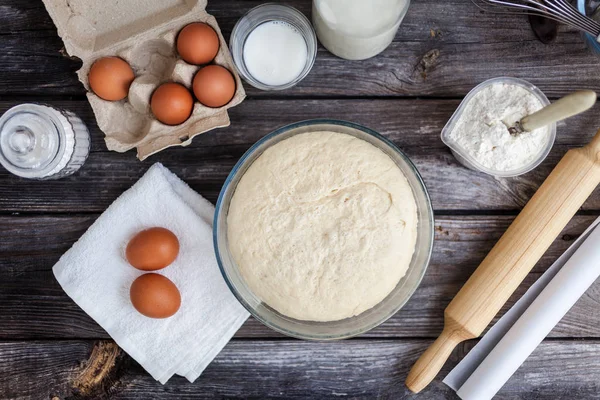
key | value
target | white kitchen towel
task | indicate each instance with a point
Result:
(96, 275)
(513, 338)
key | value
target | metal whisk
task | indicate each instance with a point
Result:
(557, 10)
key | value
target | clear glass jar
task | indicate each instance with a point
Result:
(357, 29)
(462, 155)
(42, 142)
(267, 13)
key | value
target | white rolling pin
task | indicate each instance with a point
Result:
(549, 307)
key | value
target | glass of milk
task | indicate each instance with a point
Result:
(357, 29)
(273, 46)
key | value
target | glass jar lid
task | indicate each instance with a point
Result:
(31, 139)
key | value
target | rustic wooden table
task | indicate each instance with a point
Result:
(50, 349)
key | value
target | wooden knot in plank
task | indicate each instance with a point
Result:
(101, 372)
(427, 64)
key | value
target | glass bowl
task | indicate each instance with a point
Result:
(591, 9)
(350, 326)
(470, 162)
(258, 16)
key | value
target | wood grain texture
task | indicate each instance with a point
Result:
(292, 369)
(468, 47)
(211, 156)
(106, 175)
(407, 122)
(36, 307)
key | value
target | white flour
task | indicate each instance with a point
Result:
(481, 131)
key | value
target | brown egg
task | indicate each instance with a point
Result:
(152, 249)
(110, 78)
(171, 103)
(198, 43)
(214, 86)
(155, 296)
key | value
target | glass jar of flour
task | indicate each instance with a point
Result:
(42, 142)
(357, 29)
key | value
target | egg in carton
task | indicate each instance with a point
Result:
(143, 33)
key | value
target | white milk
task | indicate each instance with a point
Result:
(357, 29)
(275, 53)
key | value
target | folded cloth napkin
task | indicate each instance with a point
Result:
(97, 276)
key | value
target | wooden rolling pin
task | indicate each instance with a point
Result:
(513, 257)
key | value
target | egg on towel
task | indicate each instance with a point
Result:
(152, 249)
(155, 296)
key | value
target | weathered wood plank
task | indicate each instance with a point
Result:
(33, 305)
(407, 122)
(472, 47)
(107, 174)
(255, 118)
(287, 369)
(31, 64)
(24, 15)
(414, 125)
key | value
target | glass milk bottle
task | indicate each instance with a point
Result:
(42, 142)
(357, 29)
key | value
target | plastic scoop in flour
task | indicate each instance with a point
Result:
(568, 106)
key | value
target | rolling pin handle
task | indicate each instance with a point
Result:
(433, 359)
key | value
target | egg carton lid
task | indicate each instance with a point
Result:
(88, 27)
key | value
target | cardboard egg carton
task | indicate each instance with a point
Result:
(143, 33)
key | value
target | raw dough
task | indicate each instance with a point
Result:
(322, 226)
